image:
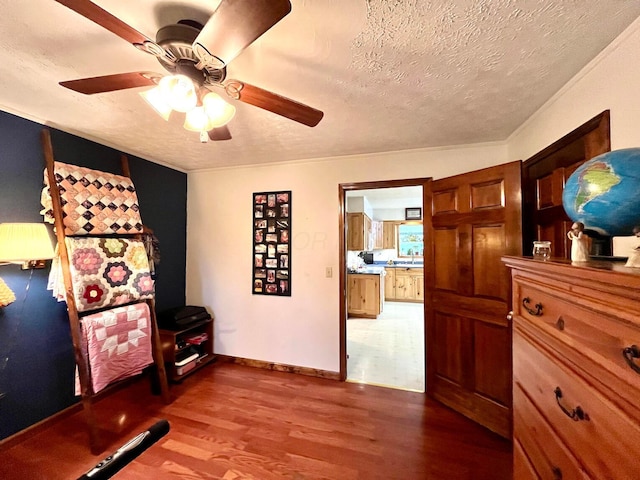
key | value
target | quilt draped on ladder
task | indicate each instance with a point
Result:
(117, 343)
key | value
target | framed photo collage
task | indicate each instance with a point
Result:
(272, 243)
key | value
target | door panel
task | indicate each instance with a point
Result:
(492, 379)
(467, 297)
(488, 247)
(448, 333)
(487, 195)
(446, 273)
(445, 201)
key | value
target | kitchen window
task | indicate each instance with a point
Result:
(410, 240)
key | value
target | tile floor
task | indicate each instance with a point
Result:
(388, 351)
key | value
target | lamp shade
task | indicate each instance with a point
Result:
(155, 98)
(6, 295)
(196, 120)
(218, 111)
(21, 242)
(179, 92)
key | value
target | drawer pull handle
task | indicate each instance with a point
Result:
(537, 312)
(629, 354)
(575, 414)
(560, 323)
(557, 473)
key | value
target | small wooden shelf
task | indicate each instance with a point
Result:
(173, 343)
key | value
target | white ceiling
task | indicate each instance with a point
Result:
(389, 75)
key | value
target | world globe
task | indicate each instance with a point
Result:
(604, 193)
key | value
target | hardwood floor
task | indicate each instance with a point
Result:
(233, 422)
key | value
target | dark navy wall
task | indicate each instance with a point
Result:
(36, 354)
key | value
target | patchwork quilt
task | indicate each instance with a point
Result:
(105, 272)
(93, 202)
(118, 344)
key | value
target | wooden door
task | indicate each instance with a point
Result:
(544, 176)
(476, 218)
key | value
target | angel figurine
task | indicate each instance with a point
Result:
(634, 256)
(580, 243)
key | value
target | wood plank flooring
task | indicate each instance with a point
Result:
(233, 422)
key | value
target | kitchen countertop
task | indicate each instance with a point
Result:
(404, 265)
(368, 271)
(378, 269)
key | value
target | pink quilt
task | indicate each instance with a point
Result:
(118, 344)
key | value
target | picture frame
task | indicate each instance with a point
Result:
(271, 243)
(413, 213)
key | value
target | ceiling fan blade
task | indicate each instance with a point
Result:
(235, 25)
(220, 133)
(274, 103)
(110, 83)
(103, 18)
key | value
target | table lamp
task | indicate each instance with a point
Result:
(25, 243)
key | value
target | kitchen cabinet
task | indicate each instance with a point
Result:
(389, 235)
(405, 288)
(418, 285)
(390, 284)
(363, 295)
(576, 369)
(376, 235)
(404, 284)
(358, 231)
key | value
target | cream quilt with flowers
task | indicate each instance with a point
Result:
(105, 272)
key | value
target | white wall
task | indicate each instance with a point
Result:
(389, 213)
(303, 329)
(358, 205)
(610, 82)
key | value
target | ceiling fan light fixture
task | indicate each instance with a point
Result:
(179, 92)
(218, 111)
(155, 98)
(197, 120)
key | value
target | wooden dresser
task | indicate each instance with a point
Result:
(576, 371)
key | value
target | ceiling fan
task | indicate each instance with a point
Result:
(196, 57)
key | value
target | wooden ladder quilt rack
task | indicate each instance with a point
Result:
(84, 374)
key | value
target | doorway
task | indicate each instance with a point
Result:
(387, 348)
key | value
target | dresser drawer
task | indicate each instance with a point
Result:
(550, 457)
(600, 435)
(522, 468)
(590, 333)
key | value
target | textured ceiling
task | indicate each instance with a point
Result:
(389, 75)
